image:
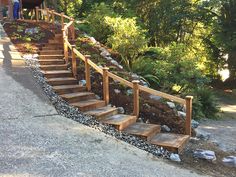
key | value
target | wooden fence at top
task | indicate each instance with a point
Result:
(49, 16)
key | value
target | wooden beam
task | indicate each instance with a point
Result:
(106, 85)
(87, 73)
(188, 127)
(136, 97)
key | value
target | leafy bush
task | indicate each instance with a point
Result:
(205, 104)
(128, 38)
(98, 27)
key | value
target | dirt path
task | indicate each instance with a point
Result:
(223, 131)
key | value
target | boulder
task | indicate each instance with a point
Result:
(165, 128)
(170, 104)
(204, 154)
(154, 97)
(121, 110)
(194, 123)
(229, 161)
(117, 91)
(175, 157)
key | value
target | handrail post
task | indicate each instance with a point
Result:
(66, 56)
(47, 20)
(105, 85)
(62, 20)
(74, 62)
(37, 14)
(73, 30)
(136, 97)
(188, 127)
(87, 73)
(53, 17)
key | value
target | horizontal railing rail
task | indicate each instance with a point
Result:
(49, 16)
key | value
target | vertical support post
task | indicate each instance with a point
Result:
(47, 20)
(37, 14)
(188, 127)
(21, 10)
(87, 73)
(136, 97)
(74, 62)
(73, 29)
(53, 17)
(105, 85)
(10, 9)
(62, 20)
(65, 38)
(1, 15)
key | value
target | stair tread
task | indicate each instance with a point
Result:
(77, 94)
(66, 87)
(169, 140)
(98, 112)
(51, 55)
(51, 60)
(61, 79)
(56, 72)
(118, 119)
(87, 102)
(142, 129)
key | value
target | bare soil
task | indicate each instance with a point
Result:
(151, 111)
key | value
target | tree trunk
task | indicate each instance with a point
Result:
(232, 65)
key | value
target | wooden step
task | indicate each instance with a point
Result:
(51, 52)
(142, 130)
(170, 141)
(64, 89)
(89, 104)
(120, 121)
(62, 81)
(58, 35)
(47, 57)
(79, 96)
(50, 41)
(53, 67)
(52, 62)
(103, 112)
(57, 73)
(52, 47)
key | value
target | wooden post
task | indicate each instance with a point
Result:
(105, 85)
(53, 17)
(37, 14)
(66, 55)
(62, 20)
(87, 73)
(74, 62)
(1, 8)
(136, 97)
(10, 9)
(188, 127)
(73, 29)
(47, 20)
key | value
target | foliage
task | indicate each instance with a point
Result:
(205, 103)
(128, 39)
(97, 20)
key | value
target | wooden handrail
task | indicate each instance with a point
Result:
(164, 95)
(106, 74)
(121, 80)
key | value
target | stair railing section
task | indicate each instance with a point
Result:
(106, 75)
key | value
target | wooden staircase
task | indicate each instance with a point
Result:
(54, 68)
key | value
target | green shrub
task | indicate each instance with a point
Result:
(209, 103)
(128, 38)
(96, 19)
